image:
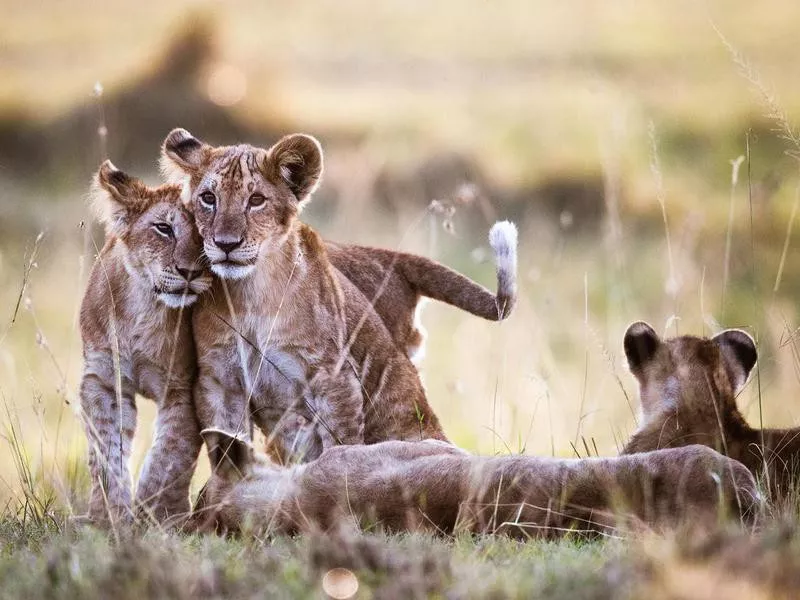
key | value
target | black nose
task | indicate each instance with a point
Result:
(228, 245)
(189, 274)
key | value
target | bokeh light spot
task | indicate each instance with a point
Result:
(340, 583)
(226, 85)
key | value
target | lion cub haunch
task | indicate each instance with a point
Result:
(284, 338)
(428, 485)
(688, 387)
(137, 339)
(393, 282)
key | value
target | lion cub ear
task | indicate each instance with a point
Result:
(231, 457)
(116, 197)
(182, 154)
(296, 160)
(738, 353)
(641, 343)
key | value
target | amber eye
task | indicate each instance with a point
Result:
(164, 229)
(208, 200)
(256, 201)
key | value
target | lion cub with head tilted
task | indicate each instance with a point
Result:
(688, 387)
(428, 485)
(137, 339)
(284, 333)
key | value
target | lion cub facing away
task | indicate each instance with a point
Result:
(428, 485)
(137, 339)
(688, 387)
(392, 281)
(285, 334)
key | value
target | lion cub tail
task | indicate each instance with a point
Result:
(503, 240)
(434, 280)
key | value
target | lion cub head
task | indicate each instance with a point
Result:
(688, 387)
(160, 245)
(245, 199)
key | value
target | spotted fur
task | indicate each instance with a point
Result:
(137, 340)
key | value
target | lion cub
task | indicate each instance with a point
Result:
(688, 387)
(284, 333)
(137, 339)
(394, 282)
(428, 485)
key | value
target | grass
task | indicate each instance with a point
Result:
(43, 563)
(531, 92)
(51, 560)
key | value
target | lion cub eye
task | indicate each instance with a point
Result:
(256, 201)
(208, 200)
(164, 229)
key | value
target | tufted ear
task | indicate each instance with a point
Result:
(231, 457)
(297, 160)
(182, 154)
(641, 342)
(738, 353)
(116, 197)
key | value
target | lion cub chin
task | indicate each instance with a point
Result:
(429, 485)
(137, 340)
(285, 340)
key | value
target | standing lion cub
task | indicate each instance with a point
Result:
(285, 338)
(393, 282)
(137, 339)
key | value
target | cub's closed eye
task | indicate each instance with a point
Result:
(257, 200)
(208, 199)
(164, 229)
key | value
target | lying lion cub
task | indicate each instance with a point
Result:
(284, 333)
(392, 281)
(688, 387)
(429, 485)
(137, 341)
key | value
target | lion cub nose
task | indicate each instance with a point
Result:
(189, 274)
(227, 245)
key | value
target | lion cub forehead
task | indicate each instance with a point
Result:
(167, 194)
(170, 210)
(159, 199)
(237, 161)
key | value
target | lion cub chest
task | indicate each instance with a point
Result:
(276, 373)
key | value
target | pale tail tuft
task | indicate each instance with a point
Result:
(503, 240)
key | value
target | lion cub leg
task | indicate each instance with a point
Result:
(338, 406)
(163, 489)
(109, 415)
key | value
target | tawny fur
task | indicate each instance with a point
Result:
(688, 388)
(135, 342)
(409, 486)
(284, 338)
(394, 282)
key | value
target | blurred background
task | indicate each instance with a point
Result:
(614, 134)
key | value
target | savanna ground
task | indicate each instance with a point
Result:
(644, 149)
